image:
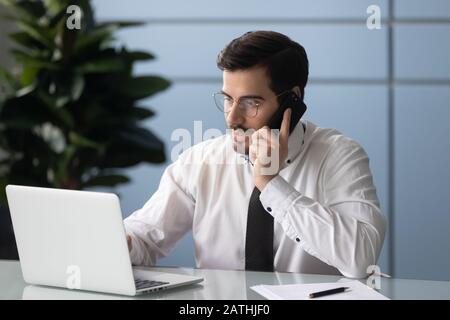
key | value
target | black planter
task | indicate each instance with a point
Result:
(8, 248)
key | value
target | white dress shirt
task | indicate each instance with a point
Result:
(327, 214)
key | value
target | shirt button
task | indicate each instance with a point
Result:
(297, 239)
(269, 209)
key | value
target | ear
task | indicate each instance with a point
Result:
(298, 91)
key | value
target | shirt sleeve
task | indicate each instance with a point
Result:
(163, 220)
(346, 229)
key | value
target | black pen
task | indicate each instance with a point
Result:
(327, 292)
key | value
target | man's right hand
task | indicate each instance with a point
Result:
(130, 245)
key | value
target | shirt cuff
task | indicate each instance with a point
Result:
(277, 196)
(134, 253)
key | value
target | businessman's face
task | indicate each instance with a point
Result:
(250, 85)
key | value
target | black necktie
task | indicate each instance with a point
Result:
(259, 238)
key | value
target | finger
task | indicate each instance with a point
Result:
(254, 137)
(285, 125)
(261, 133)
(264, 132)
(252, 153)
(129, 242)
(260, 147)
(264, 149)
(264, 144)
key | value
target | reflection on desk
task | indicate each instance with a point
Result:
(218, 285)
(32, 292)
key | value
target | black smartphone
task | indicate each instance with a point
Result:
(290, 100)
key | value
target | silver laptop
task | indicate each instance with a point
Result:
(76, 240)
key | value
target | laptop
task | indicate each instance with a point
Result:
(76, 240)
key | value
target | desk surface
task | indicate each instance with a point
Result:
(217, 285)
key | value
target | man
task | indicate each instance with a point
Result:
(318, 212)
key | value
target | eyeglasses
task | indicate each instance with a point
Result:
(247, 106)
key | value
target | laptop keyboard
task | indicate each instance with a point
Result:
(144, 284)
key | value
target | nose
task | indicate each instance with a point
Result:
(234, 117)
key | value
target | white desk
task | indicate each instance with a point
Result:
(218, 284)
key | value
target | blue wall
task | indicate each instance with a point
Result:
(392, 97)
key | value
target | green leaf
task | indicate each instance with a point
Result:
(29, 74)
(55, 105)
(83, 142)
(28, 10)
(77, 87)
(57, 18)
(95, 38)
(130, 145)
(138, 55)
(141, 113)
(125, 115)
(20, 123)
(30, 60)
(23, 112)
(111, 180)
(103, 66)
(67, 87)
(24, 39)
(62, 114)
(7, 17)
(56, 6)
(139, 137)
(37, 33)
(121, 24)
(25, 90)
(142, 87)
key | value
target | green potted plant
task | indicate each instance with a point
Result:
(71, 117)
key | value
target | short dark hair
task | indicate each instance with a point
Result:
(286, 60)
